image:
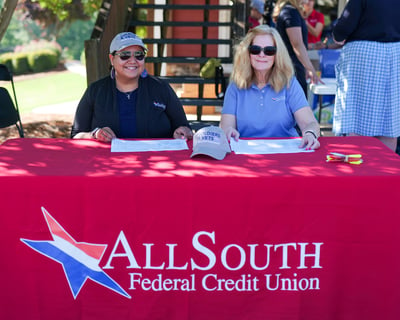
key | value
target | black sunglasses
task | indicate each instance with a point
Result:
(268, 51)
(125, 55)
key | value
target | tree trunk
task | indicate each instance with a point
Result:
(6, 15)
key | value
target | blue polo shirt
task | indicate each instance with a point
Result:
(264, 112)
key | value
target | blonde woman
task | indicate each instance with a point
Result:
(264, 99)
(288, 16)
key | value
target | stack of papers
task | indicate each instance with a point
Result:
(260, 146)
(118, 145)
(256, 146)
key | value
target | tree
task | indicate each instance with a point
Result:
(50, 14)
(6, 14)
(53, 15)
(68, 22)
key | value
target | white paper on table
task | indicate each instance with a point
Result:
(118, 145)
(270, 146)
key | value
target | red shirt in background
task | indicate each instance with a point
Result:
(313, 19)
(253, 22)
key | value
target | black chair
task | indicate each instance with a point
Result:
(9, 112)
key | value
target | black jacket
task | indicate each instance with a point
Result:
(369, 20)
(158, 109)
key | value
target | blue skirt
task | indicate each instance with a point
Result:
(368, 92)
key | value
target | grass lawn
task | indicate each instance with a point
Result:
(47, 89)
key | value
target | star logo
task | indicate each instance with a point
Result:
(80, 260)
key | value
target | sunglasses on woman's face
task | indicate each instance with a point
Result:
(268, 51)
(125, 55)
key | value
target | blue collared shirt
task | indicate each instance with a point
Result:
(264, 112)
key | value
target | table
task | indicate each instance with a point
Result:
(328, 88)
(89, 234)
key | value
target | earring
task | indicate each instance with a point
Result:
(144, 74)
(112, 72)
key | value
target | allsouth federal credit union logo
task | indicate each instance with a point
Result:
(80, 261)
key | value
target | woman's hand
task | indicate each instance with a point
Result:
(231, 132)
(312, 75)
(309, 141)
(104, 134)
(183, 133)
(228, 124)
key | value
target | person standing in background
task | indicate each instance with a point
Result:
(327, 32)
(256, 13)
(315, 22)
(288, 17)
(368, 71)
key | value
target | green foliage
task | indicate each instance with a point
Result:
(43, 60)
(38, 45)
(59, 12)
(91, 7)
(141, 15)
(20, 63)
(83, 58)
(19, 31)
(37, 56)
(57, 7)
(72, 38)
(23, 31)
(6, 59)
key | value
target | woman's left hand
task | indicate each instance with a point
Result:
(183, 133)
(309, 142)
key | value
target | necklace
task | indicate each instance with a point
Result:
(128, 94)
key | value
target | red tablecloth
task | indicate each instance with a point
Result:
(90, 234)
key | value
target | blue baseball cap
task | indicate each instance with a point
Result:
(258, 5)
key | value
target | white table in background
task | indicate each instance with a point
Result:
(328, 88)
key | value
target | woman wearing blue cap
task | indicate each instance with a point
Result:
(129, 103)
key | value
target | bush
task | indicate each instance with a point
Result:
(38, 45)
(6, 59)
(20, 63)
(38, 56)
(42, 60)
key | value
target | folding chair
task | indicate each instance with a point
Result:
(9, 112)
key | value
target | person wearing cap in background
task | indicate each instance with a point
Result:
(264, 98)
(256, 13)
(129, 103)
